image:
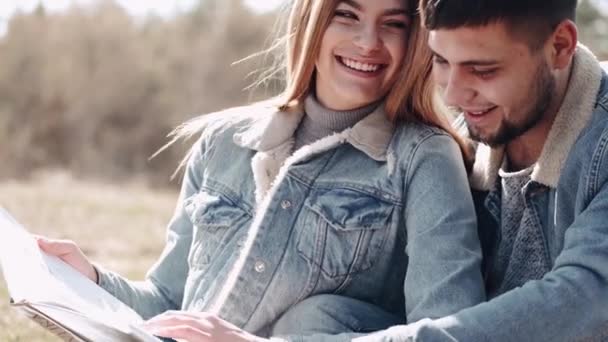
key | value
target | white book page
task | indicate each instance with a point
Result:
(24, 269)
(143, 335)
(50, 324)
(34, 276)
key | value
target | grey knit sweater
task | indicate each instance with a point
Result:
(320, 122)
(520, 254)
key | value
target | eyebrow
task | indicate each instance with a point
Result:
(388, 12)
(471, 62)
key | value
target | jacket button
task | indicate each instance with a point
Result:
(260, 266)
(286, 204)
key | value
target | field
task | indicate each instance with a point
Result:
(120, 226)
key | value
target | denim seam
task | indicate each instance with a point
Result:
(162, 291)
(320, 244)
(379, 194)
(311, 183)
(362, 232)
(225, 191)
(315, 270)
(598, 158)
(410, 159)
(279, 262)
(603, 99)
(349, 273)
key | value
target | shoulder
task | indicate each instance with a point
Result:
(223, 124)
(231, 119)
(216, 130)
(599, 134)
(595, 136)
(602, 100)
(411, 139)
(588, 158)
(422, 148)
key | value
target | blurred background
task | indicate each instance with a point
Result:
(93, 87)
(89, 90)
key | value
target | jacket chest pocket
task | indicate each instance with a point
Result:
(215, 221)
(343, 231)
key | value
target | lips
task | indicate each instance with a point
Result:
(477, 114)
(360, 66)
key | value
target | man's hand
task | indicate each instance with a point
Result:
(197, 327)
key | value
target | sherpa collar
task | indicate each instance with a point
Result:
(371, 135)
(571, 119)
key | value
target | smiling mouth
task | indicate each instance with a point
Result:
(480, 112)
(352, 64)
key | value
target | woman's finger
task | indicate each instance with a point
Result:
(177, 313)
(179, 319)
(181, 332)
(56, 247)
(69, 252)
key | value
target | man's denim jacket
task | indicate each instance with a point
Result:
(257, 228)
(569, 195)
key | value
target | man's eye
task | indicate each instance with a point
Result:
(484, 73)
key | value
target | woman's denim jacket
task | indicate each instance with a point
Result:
(257, 228)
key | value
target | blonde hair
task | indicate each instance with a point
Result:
(413, 97)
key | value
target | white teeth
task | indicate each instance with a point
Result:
(366, 67)
(481, 112)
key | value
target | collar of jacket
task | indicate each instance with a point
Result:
(572, 117)
(272, 129)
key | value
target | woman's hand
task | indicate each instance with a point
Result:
(69, 252)
(197, 327)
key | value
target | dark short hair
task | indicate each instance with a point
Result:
(535, 19)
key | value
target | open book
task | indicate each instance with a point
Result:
(58, 297)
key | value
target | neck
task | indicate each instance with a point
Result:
(320, 121)
(526, 149)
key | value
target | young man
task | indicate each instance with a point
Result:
(537, 101)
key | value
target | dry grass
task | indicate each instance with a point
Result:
(119, 226)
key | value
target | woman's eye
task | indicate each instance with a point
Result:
(396, 24)
(345, 14)
(439, 61)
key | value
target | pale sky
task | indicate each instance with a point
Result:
(142, 7)
(136, 7)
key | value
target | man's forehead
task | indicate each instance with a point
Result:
(489, 42)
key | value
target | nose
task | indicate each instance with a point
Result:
(368, 39)
(457, 90)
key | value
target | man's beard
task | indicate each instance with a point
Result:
(543, 91)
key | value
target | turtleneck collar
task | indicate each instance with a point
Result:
(320, 121)
(335, 120)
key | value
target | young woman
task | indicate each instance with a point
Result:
(348, 184)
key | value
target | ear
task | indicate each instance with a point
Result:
(563, 43)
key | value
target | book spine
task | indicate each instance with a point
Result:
(49, 325)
